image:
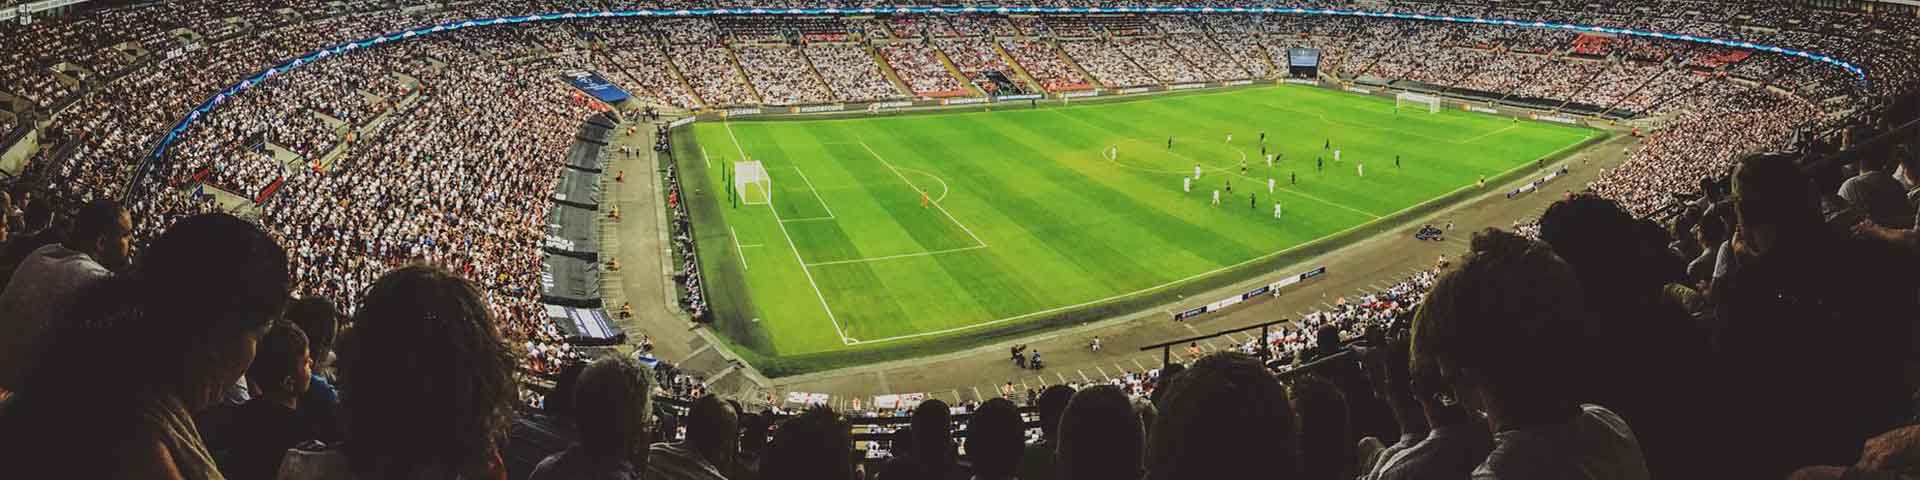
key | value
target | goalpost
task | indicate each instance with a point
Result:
(1432, 102)
(751, 183)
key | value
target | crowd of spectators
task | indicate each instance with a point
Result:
(710, 69)
(1704, 137)
(781, 75)
(974, 57)
(918, 66)
(1045, 65)
(648, 72)
(1107, 64)
(680, 232)
(853, 73)
(1507, 332)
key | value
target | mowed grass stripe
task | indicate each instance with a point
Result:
(1256, 223)
(794, 321)
(1067, 226)
(1147, 206)
(1029, 203)
(989, 286)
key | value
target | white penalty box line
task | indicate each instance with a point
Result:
(916, 188)
(804, 270)
(816, 196)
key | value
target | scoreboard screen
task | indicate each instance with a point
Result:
(1303, 57)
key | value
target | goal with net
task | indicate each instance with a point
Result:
(1405, 98)
(751, 183)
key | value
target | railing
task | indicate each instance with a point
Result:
(1166, 348)
(1880, 144)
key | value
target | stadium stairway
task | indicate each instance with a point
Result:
(1108, 41)
(1238, 60)
(1062, 53)
(733, 60)
(817, 77)
(674, 69)
(1584, 86)
(954, 70)
(1643, 86)
(1019, 71)
(886, 69)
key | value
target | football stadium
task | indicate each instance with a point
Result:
(1093, 239)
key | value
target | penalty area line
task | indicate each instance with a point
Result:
(893, 257)
(903, 178)
(816, 192)
(844, 339)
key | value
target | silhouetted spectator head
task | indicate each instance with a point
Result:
(426, 385)
(1501, 321)
(1209, 414)
(1326, 442)
(318, 317)
(213, 285)
(1909, 165)
(1327, 338)
(754, 429)
(933, 436)
(1100, 437)
(995, 438)
(1710, 231)
(1772, 201)
(1053, 401)
(713, 429)
(617, 395)
(1607, 247)
(39, 215)
(1167, 375)
(281, 366)
(818, 444)
(190, 318)
(565, 384)
(103, 231)
(1144, 409)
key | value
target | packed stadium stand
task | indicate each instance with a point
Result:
(1735, 299)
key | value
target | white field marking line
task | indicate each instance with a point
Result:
(976, 394)
(1492, 133)
(1116, 161)
(816, 192)
(796, 251)
(1323, 117)
(1130, 141)
(1201, 274)
(737, 248)
(944, 189)
(903, 178)
(1103, 373)
(1228, 170)
(1083, 376)
(894, 257)
(706, 158)
(808, 219)
(1063, 377)
(1136, 362)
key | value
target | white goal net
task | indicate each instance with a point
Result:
(1404, 99)
(751, 183)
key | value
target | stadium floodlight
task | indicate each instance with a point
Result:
(751, 183)
(1432, 102)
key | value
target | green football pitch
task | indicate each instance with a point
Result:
(903, 235)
